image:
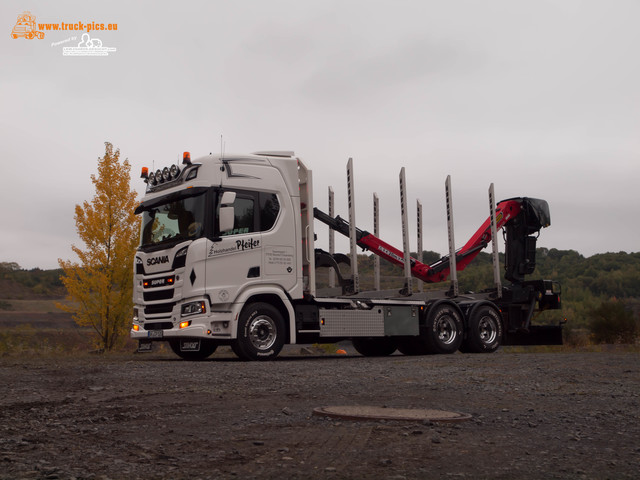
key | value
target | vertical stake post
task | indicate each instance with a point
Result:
(419, 228)
(405, 235)
(453, 273)
(332, 239)
(351, 194)
(376, 232)
(494, 242)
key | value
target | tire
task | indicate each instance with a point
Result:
(444, 328)
(485, 330)
(261, 332)
(374, 346)
(413, 346)
(207, 347)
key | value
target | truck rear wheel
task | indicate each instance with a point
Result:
(444, 328)
(261, 332)
(485, 330)
(374, 346)
(207, 347)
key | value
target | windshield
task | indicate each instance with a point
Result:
(175, 221)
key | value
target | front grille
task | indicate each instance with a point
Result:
(158, 295)
(158, 326)
(162, 308)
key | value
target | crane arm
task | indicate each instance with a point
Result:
(535, 215)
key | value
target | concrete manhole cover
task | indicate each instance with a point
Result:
(363, 412)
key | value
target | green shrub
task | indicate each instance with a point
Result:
(613, 322)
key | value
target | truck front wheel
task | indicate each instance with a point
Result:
(261, 332)
(485, 330)
(444, 328)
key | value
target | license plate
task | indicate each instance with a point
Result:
(155, 334)
(145, 346)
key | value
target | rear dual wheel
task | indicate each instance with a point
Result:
(444, 328)
(485, 330)
(443, 332)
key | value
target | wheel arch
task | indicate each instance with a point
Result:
(278, 300)
(436, 303)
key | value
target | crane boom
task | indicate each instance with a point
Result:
(521, 217)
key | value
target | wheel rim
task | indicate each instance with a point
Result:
(263, 332)
(447, 331)
(487, 330)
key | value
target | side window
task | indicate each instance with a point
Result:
(244, 218)
(269, 209)
(243, 215)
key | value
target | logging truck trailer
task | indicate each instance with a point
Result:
(227, 256)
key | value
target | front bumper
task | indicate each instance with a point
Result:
(218, 325)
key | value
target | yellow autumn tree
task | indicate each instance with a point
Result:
(100, 286)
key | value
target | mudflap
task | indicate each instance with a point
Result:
(145, 346)
(536, 335)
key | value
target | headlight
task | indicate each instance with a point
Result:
(193, 308)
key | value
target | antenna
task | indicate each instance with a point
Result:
(221, 147)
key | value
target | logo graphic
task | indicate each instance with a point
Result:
(26, 27)
(91, 47)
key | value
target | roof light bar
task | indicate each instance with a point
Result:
(167, 174)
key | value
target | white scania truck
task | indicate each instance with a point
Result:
(227, 257)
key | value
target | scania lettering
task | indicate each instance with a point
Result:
(228, 256)
(156, 260)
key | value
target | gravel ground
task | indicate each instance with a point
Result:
(534, 415)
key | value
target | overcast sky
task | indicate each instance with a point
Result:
(542, 98)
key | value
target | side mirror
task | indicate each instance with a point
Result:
(227, 199)
(226, 214)
(226, 219)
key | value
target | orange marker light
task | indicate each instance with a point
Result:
(185, 324)
(144, 173)
(136, 328)
(186, 158)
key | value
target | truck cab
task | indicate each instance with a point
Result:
(215, 233)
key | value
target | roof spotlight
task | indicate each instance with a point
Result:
(175, 171)
(165, 174)
(158, 176)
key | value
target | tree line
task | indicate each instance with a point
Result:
(586, 282)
